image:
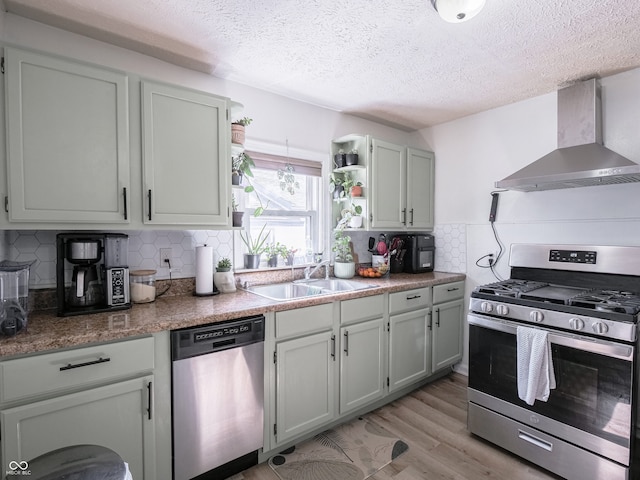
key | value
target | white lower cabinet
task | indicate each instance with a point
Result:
(448, 318)
(114, 416)
(362, 352)
(304, 361)
(102, 395)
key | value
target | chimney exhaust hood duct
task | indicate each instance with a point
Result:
(580, 160)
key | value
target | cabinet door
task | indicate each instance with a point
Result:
(388, 180)
(420, 189)
(361, 364)
(116, 416)
(186, 164)
(67, 141)
(305, 395)
(409, 355)
(447, 333)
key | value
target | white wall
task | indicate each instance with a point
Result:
(474, 152)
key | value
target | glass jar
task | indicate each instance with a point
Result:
(143, 286)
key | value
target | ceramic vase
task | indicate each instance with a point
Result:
(224, 281)
(344, 269)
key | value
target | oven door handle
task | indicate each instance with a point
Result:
(588, 344)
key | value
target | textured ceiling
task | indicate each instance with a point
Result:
(395, 62)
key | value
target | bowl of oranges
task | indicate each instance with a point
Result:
(377, 269)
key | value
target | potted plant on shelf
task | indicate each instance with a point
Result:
(351, 186)
(238, 130)
(236, 215)
(350, 217)
(339, 159)
(223, 277)
(351, 158)
(335, 186)
(241, 165)
(344, 266)
(273, 251)
(289, 254)
(255, 247)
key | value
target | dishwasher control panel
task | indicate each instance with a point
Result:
(193, 341)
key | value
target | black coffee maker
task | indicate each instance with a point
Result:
(99, 274)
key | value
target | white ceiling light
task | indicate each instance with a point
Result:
(456, 11)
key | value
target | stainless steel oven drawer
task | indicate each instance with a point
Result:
(555, 455)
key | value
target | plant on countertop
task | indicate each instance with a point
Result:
(255, 246)
(224, 265)
(342, 247)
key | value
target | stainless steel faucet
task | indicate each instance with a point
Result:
(308, 271)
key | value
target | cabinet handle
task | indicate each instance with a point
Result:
(149, 204)
(414, 297)
(438, 317)
(430, 320)
(70, 366)
(452, 289)
(346, 343)
(6, 203)
(404, 216)
(411, 222)
(333, 347)
(124, 194)
(150, 399)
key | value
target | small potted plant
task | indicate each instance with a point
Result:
(351, 158)
(344, 266)
(238, 130)
(273, 251)
(289, 254)
(241, 165)
(223, 277)
(236, 215)
(255, 247)
(339, 159)
(350, 217)
(336, 188)
(351, 186)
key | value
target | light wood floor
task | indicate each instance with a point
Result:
(432, 421)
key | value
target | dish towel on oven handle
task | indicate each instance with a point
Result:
(535, 365)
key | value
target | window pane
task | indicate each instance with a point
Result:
(267, 185)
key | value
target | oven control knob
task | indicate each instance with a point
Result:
(576, 323)
(536, 316)
(486, 307)
(502, 310)
(600, 328)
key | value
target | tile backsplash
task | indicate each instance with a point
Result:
(144, 250)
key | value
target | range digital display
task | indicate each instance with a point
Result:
(573, 256)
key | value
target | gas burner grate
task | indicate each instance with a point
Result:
(609, 301)
(510, 288)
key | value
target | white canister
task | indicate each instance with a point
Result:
(142, 286)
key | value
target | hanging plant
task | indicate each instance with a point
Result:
(287, 179)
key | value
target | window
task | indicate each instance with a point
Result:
(294, 220)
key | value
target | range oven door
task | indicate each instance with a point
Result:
(592, 403)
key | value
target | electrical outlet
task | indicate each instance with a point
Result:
(165, 256)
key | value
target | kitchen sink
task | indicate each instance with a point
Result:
(336, 284)
(306, 288)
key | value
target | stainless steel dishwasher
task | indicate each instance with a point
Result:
(218, 398)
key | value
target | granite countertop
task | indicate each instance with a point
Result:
(47, 331)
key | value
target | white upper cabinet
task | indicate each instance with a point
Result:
(67, 141)
(185, 158)
(388, 185)
(420, 189)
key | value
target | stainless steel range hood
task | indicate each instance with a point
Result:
(580, 160)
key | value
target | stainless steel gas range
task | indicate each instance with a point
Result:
(585, 302)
